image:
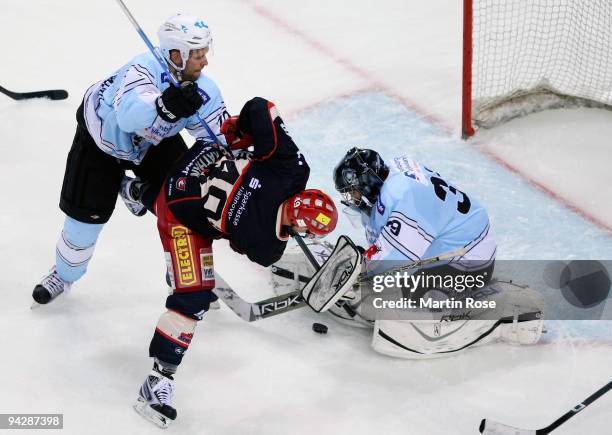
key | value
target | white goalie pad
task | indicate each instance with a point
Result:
(335, 277)
(431, 339)
(522, 310)
(518, 319)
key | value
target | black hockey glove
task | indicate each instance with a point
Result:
(176, 103)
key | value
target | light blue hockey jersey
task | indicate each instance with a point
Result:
(121, 116)
(418, 214)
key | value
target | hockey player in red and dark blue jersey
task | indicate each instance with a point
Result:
(251, 199)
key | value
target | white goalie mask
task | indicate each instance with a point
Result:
(184, 33)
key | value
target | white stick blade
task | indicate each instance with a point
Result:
(491, 427)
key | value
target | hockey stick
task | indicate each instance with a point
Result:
(424, 262)
(304, 248)
(253, 311)
(52, 94)
(162, 63)
(491, 427)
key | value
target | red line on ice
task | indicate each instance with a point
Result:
(281, 23)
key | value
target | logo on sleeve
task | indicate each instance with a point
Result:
(181, 183)
(186, 337)
(204, 95)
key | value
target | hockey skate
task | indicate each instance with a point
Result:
(50, 287)
(155, 399)
(131, 190)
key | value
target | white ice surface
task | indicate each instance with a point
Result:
(385, 74)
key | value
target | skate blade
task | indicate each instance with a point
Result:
(35, 305)
(159, 420)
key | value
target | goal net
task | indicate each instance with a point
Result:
(523, 56)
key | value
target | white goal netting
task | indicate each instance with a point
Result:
(530, 55)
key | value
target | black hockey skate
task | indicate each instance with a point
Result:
(155, 399)
(50, 287)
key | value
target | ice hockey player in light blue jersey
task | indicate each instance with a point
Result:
(131, 120)
(123, 115)
(412, 213)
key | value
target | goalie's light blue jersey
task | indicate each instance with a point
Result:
(419, 214)
(121, 115)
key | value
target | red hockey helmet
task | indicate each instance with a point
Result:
(314, 210)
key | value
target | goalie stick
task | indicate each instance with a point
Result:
(424, 262)
(305, 249)
(491, 427)
(52, 94)
(459, 252)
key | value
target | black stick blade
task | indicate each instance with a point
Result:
(57, 94)
(52, 94)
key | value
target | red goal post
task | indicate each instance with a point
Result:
(523, 56)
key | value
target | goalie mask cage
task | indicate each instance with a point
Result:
(523, 56)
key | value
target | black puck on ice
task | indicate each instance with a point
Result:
(319, 328)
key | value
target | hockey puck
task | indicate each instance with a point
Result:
(319, 328)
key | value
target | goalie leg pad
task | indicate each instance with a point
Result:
(522, 331)
(522, 312)
(431, 338)
(518, 319)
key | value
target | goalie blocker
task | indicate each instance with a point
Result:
(517, 320)
(335, 277)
